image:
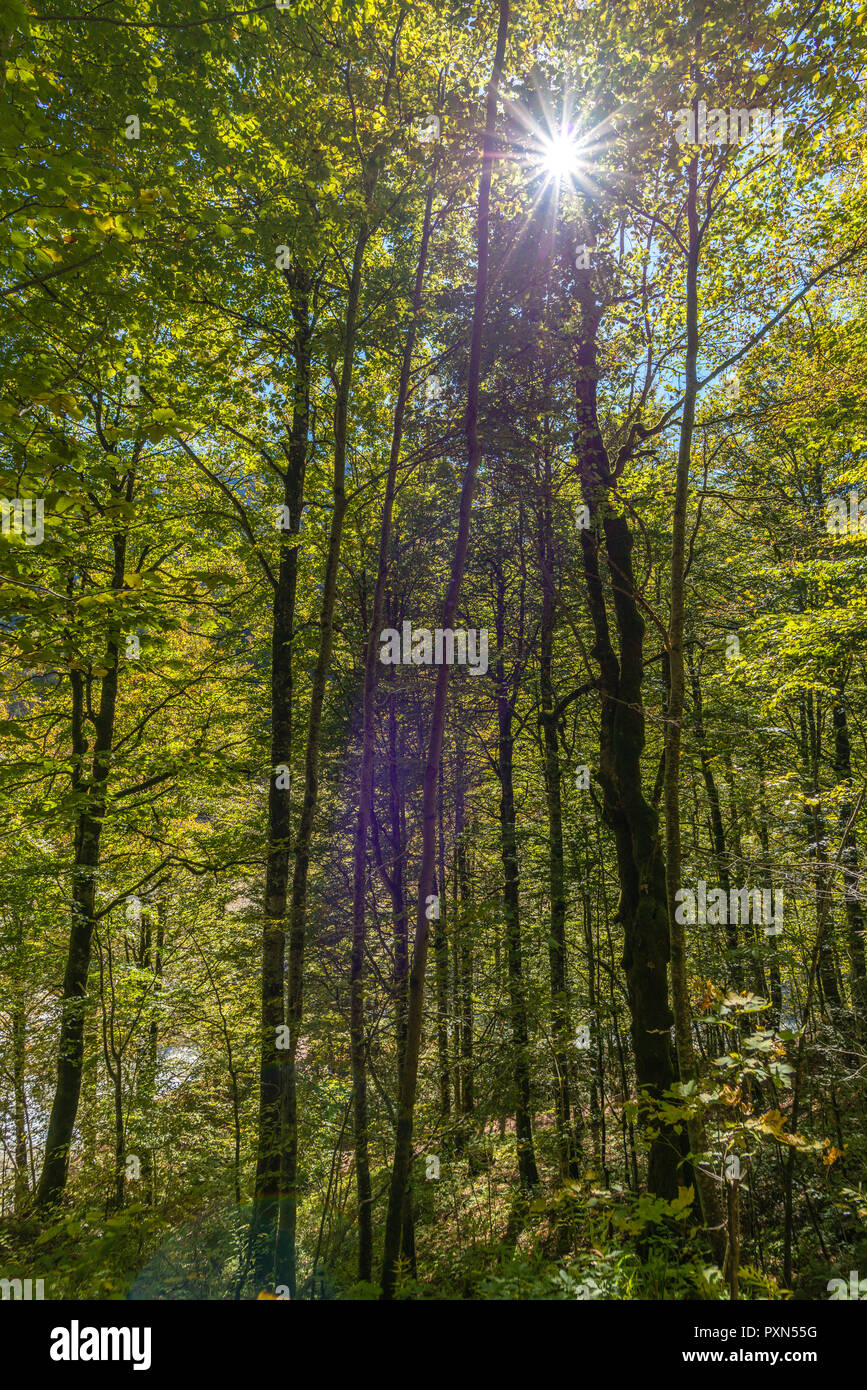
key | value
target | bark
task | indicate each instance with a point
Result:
(527, 1170)
(396, 885)
(716, 821)
(93, 791)
(393, 876)
(560, 1026)
(287, 1273)
(409, 1076)
(597, 1078)
(455, 1000)
(467, 1096)
(269, 1157)
(153, 960)
(633, 819)
(442, 969)
(766, 882)
(365, 795)
(463, 960)
(817, 838)
(21, 1186)
(739, 868)
(849, 862)
(708, 1195)
(113, 1057)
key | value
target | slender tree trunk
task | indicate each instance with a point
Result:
(147, 1091)
(740, 870)
(401, 922)
(463, 958)
(527, 1170)
(94, 792)
(560, 1025)
(817, 838)
(849, 861)
(716, 821)
(114, 1067)
(269, 1158)
(710, 1204)
(21, 1185)
(766, 882)
(597, 1076)
(454, 984)
(119, 1135)
(298, 913)
(409, 1077)
(442, 967)
(362, 825)
(396, 881)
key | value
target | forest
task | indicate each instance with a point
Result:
(433, 701)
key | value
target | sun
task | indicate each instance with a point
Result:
(560, 156)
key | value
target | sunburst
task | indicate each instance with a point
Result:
(559, 151)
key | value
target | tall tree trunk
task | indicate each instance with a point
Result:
(849, 862)
(113, 1057)
(716, 821)
(454, 985)
(441, 957)
(641, 869)
(527, 1170)
(114, 1067)
(710, 1204)
(817, 838)
(463, 958)
(153, 960)
(365, 794)
(560, 1028)
(395, 879)
(597, 1072)
(88, 834)
(298, 914)
(766, 883)
(269, 1158)
(409, 1076)
(21, 1185)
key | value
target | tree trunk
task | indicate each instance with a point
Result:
(527, 1170)
(716, 822)
(766, 882)
(365, 794)
(560, 1027)
(849, 863)
(817, 838)
(462, 956)
(709, 1198)
(21, 1185)
(153, 961)
(441, 957)
(298, 915)
(409, 1077)
(88, 834)
(643, 908)
(269, 1158)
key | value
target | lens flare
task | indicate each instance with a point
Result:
(561, 157)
